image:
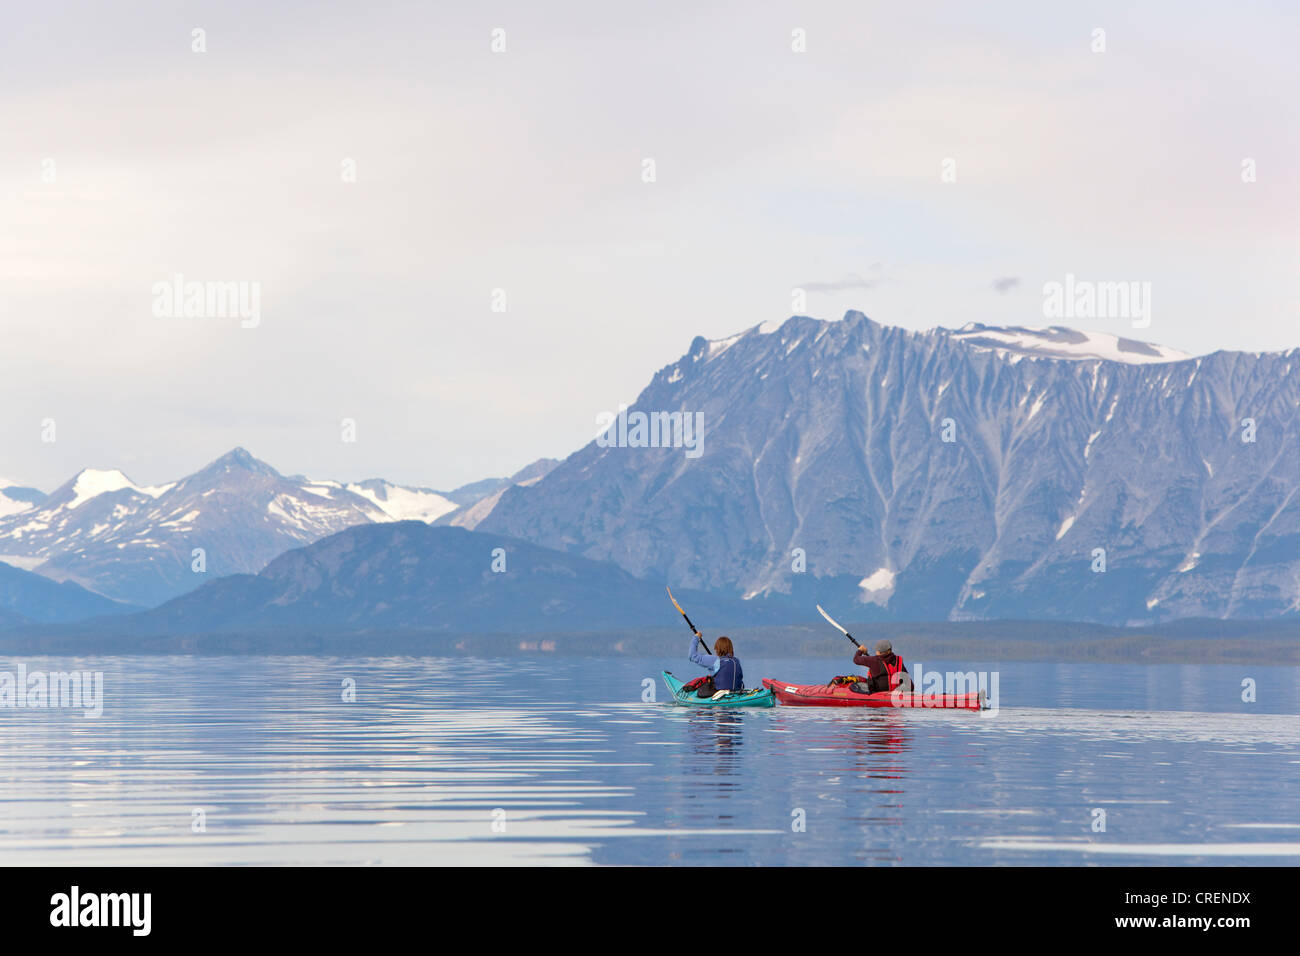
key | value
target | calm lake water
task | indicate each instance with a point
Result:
(560, 761)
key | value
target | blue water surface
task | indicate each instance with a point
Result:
(554, 760)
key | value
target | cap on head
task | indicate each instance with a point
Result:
(884, 647)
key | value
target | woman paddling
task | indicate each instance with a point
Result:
(722, 664)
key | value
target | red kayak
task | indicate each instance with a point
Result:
(823, 695)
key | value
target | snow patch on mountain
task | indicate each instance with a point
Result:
(718, 346)
(877, 587)
(1059, 342)
(91, 483)
(404, 504)
(11, 506)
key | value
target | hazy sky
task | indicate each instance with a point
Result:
(522, 171)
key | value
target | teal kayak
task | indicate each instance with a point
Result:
(758, 697)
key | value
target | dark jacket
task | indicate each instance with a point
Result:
(878, 673)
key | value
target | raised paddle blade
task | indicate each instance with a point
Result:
(694, 630)
(834, 623)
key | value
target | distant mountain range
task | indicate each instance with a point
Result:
(137, 544)
(411, 576)
(976, 473)
(980, 473)
(27, 598)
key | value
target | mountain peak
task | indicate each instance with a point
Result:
(239, 458)
(93, 482)
(534, 471)
(702, 348)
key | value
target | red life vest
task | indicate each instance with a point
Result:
(891, 670)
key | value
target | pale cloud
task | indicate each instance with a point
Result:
(521, 171)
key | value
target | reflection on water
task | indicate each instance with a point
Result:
(261, 760)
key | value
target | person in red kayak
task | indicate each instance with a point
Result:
(885, 670)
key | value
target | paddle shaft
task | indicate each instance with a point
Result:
(694, 630)
(698, 636)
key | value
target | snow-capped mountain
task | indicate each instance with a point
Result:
(137, 543)
(974, 473)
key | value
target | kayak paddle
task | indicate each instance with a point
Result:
(694, 630)
(836, 624)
